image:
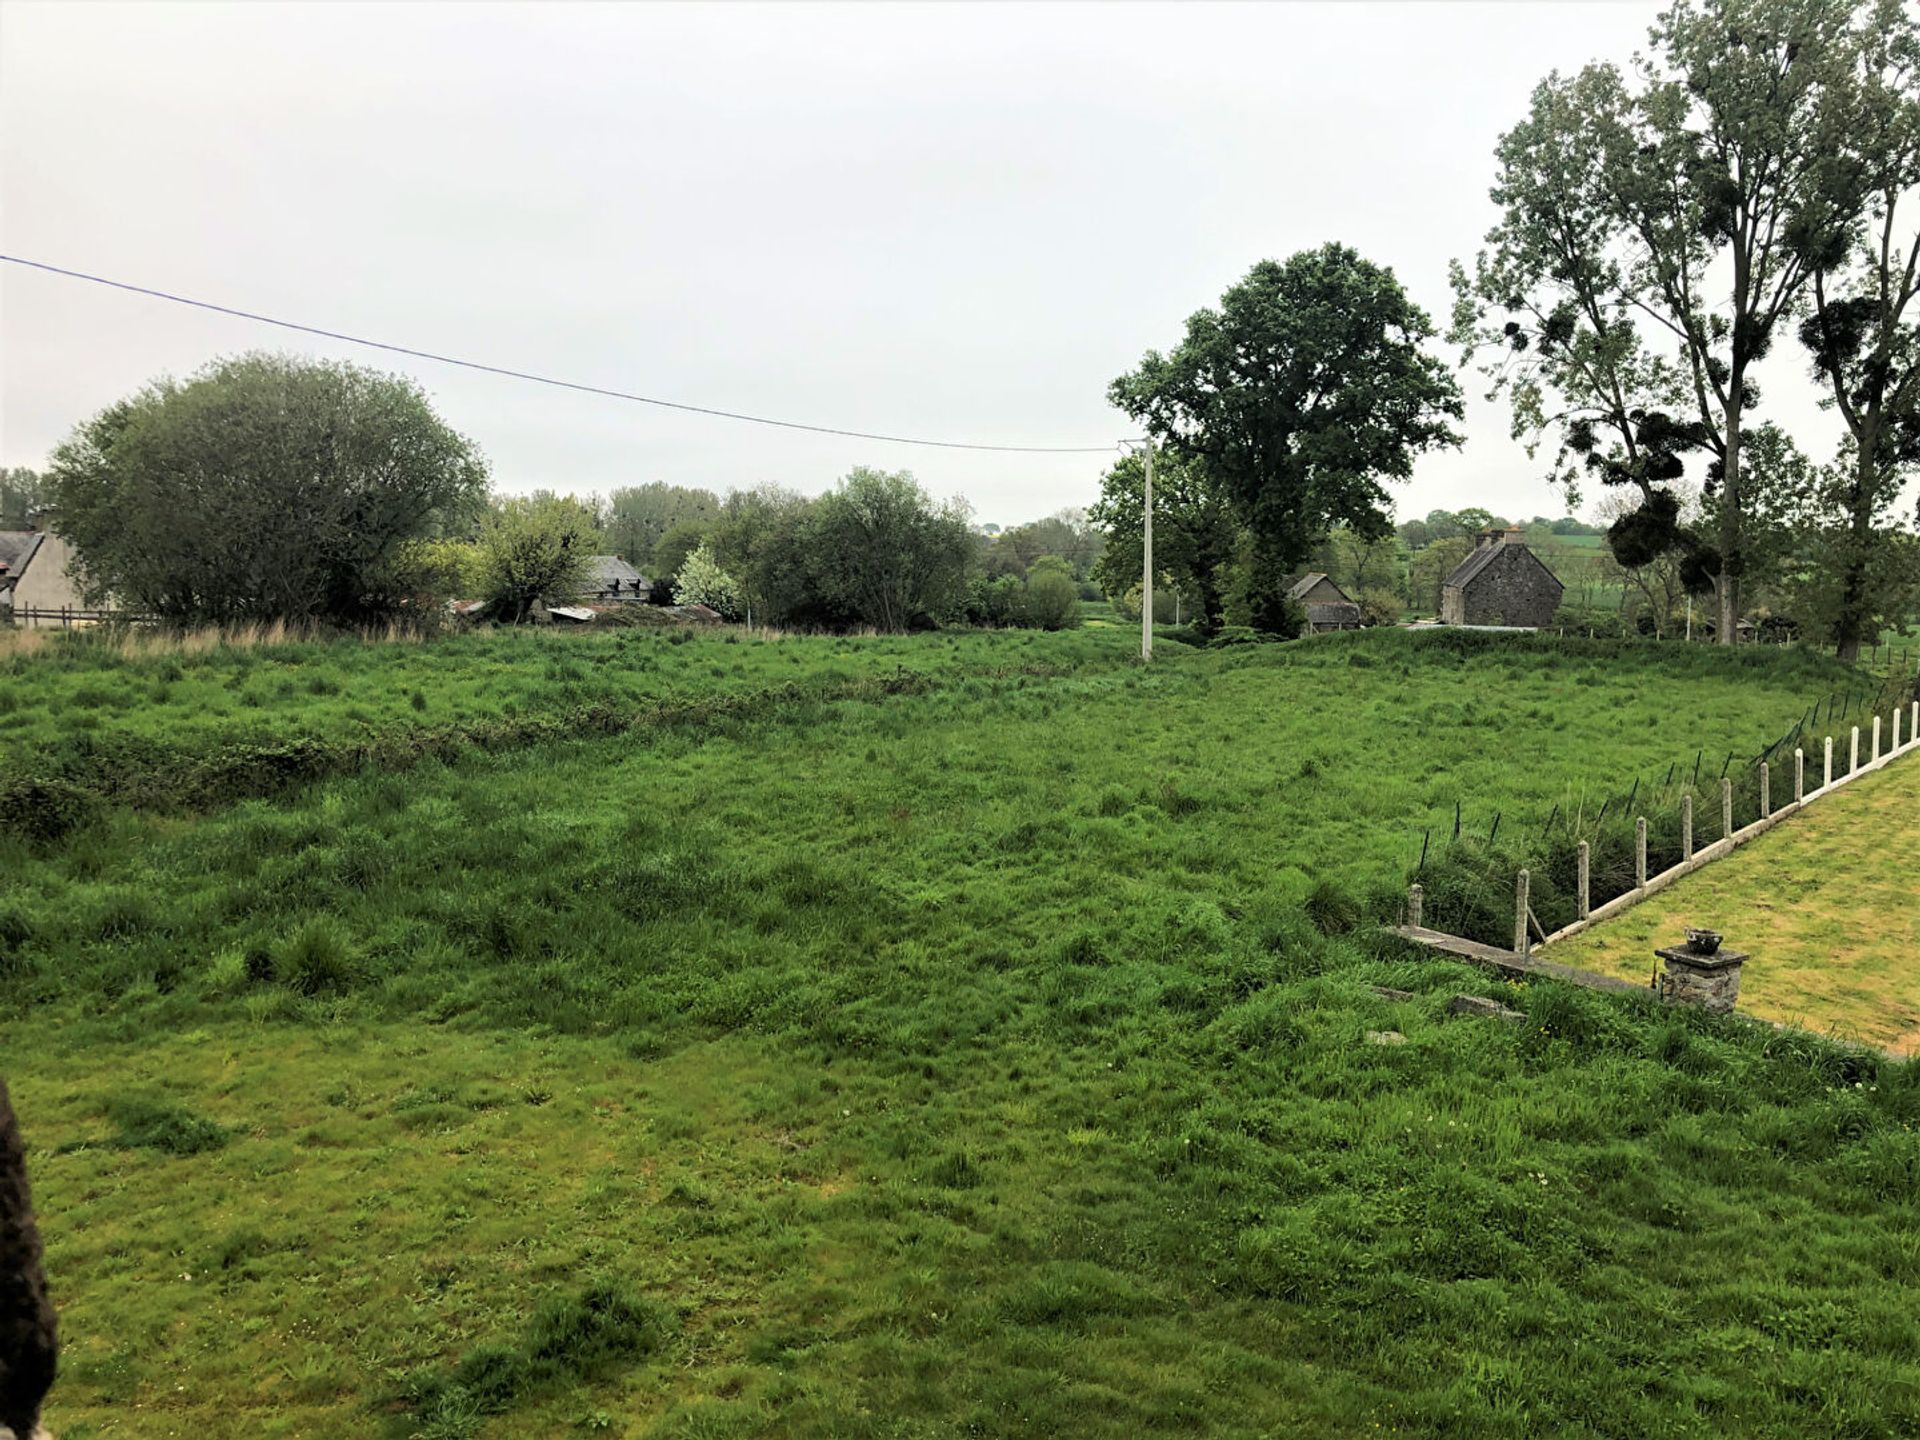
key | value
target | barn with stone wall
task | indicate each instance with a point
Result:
(1501, 582)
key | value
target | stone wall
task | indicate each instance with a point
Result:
(1514, 588)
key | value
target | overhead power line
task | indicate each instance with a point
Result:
(548, 379)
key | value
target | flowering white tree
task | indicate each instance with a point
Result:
(701, 581)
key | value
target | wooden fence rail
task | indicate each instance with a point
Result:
(68, 617)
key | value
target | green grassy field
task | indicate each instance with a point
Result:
(988, 1055)
(86, 706)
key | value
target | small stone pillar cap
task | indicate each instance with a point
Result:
(1686, 955)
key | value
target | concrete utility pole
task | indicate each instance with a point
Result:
(1146, 567)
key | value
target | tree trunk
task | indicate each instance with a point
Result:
(1212, 603)
(1850, 625)
(1730, 519)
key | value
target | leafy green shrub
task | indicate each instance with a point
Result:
(45, 811)
(1051, 602)
(144, 1123)
(240, 770)
(1240, 635)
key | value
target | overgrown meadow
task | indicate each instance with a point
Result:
(908, 1037)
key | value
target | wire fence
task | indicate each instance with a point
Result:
(1466, 865)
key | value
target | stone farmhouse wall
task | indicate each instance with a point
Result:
(1514, 588)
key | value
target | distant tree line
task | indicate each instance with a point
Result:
(267, 487)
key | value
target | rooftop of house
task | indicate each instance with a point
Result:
(16, 549)
(609, 574)
(1491, 543)
(1298, 590)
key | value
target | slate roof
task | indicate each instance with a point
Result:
(1475, 562)
(603, 571)
(16, 549)
(1300, 587)
(1465, 572)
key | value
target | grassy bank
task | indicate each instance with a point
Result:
(1143, 1198)
(1004, 814)
(205, 720)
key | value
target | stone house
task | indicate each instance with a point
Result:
(1326, 604)
(1501, 582)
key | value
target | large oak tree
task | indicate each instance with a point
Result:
(1299, 396)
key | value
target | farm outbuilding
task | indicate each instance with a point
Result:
(1501, 582)
(1326, 604)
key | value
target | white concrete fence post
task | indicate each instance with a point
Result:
(1853, 755)
(1686, 826)
(1893, 748)
(1416, 903)
(1876, 739)
(1726, 808)
(1829, 776)
(1766, 790)
(1640, 853)
(1913, 724)
(1520, 913)
(1586, 886)
(1799, 776)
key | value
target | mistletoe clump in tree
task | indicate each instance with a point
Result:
(1295, 399)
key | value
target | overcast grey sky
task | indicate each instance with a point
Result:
(952, 221)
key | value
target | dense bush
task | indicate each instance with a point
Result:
(265, 487)
(44, 811)
(1052, 600)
